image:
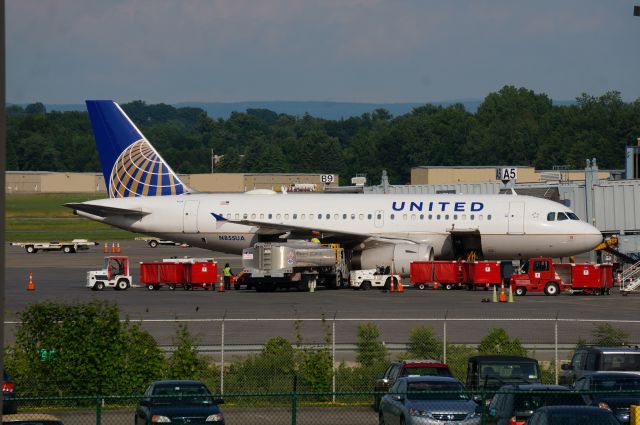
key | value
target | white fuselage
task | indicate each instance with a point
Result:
(509, 226)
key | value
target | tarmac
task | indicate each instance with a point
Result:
(251, 318)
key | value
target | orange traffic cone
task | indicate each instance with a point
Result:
(118, 248)
(391, 285)
(503, 296)
(400, 287)
(435, 285)
(221, 286)
(113, 247)
(106, 248)
(30, 285)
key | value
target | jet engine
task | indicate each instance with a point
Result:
(398, 256)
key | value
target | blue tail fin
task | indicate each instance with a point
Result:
(130, 165)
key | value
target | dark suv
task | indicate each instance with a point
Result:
(402, 368)
(485, 374)
(8, 393)
(615, 391)
(514, 404)
(587, 360)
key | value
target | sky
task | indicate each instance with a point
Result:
(66, 51)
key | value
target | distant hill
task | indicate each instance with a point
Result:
(326, 110)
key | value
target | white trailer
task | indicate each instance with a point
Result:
(68, 247)
(300, 264)
(154, 242)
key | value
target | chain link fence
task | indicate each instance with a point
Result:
(299, 408)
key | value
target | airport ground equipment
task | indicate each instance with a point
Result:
(449, 274)
(630, 279)
(372, 278)
(295, 264)
(115, 274)
(542, 275)
(68, 247)
(188, 273)
(154, 242)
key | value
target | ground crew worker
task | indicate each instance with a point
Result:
(227, 276)
(315, 240)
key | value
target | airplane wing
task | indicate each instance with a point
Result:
(103, 211)
(366, 240)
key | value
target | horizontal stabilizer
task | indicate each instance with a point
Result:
(103, 211)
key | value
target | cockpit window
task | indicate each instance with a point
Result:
(573, 216)
(551, 216)
(562, 216)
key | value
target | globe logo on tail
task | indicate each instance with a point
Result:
(141, 171)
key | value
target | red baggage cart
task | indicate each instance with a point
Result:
(189, 275)
(449, 274)
(483, 274)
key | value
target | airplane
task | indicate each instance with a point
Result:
(147, 196)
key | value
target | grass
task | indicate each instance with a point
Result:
(42, 217)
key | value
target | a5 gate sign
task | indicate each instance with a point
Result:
(506, 174)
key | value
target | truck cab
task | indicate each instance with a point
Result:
(115, 274)
(538, 275)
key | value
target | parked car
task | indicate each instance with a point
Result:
(8, 393)
(178, 402)
(485, 374)
(428, 400)
(587, 360)
(514, 404)
(597, 389)
(407, 368)
(572, 415)
(31, 419)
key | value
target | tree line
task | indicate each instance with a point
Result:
(513, 126)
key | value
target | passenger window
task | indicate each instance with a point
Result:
(480, 217)
(353, 216)
(379, 216)
(278, 216)
(228, 216)
(404, 216)
(413, 217)
(328, 216)
(369, 216)
(261, 216)
(562, 216)
(551, 216)
(361, 216)
(295, 216)
(488, 216)
(421, 216)
(302, 216)
(270, 216)
(430, 216)
(455, 216)
(336, 216)
(471, 217)
(319, 216)
(253, 216)
(392, 216)
(344, 216)
(464, 216)
(438, 217)
(286, 216)
(446, 217)
(237, 216)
